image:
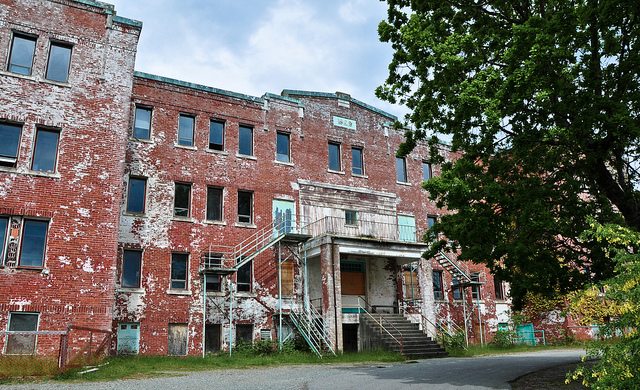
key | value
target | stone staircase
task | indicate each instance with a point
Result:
(415, 344)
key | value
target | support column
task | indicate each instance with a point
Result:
(425, 281)
(331, 292)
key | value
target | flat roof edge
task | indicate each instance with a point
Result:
(334, 96)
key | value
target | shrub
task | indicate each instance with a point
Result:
(504, 338)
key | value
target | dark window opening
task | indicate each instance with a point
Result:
(245, 140)
(21, 57)
(142, 123)
(244, 277)
(186, 125)
(244, 333)
(216, 135)
(475, 288)
(431, 220)
(4, 224)
(131, 265)
(457, 290)
(34, 239)
(438, 290)
(46, 150)
(401, 170)
(334, 157)
(245, 207)
(22, 344)
(214, 204)
(357, 167)
(182, 200)
(136, 195)
(9, 143)
(214, 283)
(283, 147)
(498, 286)
(426, 171)
(179, 267)
(350, 217)
(59, 61)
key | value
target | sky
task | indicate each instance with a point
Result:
(258, 46)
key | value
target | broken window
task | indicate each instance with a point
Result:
(245, 207)
(216, 135)
(4, 226)
(186, 125)
(244, 333)
(350, 217)
(131, 267)
(45, 151)
(21, 57)
(401, 170)
(438, 287)
(334, 157)
(244, 277)
(34, 239)
(214, 204)
(59, 61)
(475, 288)
(357, 167)
(182, 200)
(245, 140)
(142, 123)
(22, 344)
(179, 267)
(9, 143)
(283, 147)
(498, 286)
(136, 195)
(426, 171)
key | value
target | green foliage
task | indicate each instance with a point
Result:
(504, 338)
(454, 342)
(542, 99)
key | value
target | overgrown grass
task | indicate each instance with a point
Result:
(26, 367)
(492, 349)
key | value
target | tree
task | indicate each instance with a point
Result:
(543, 100)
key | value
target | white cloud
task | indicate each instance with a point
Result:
(356, 11)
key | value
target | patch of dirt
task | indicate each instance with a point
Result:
(548, 379)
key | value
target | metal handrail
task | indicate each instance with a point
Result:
(401, 341)
(453, 263)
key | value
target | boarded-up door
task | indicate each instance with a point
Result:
(128, 338)
(177, 339)
(287, 278)
(352, 278)
(284, 215)
(212, 337)
(406, 228)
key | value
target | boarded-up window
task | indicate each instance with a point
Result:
(411, 288)
(287, 278)
(352, 276)
(177, 339)
(22, 344)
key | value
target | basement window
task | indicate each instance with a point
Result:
(9, 143)
(131, 268)
(179, 267)
(401, 170)
(243, 279)
(216, 135)
(136, 195)
(182, 200)
(45, 151)
(22, 344)
(186, 124)
(142, 123)
(245, 140)
(34, 240)
(23, 48)
(245, 207)
(59, 61)
(244, 333)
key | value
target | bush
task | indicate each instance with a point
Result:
(504, 338)
(454, 342)
(264, 347)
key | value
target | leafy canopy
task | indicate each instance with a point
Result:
(543, 100)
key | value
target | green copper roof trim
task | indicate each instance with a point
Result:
(109, 9)
(284, 98)
(127, 21)
(198, 87)
(286, 92)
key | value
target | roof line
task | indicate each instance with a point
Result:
(295, 92)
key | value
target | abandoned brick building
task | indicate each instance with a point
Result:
(185, 219)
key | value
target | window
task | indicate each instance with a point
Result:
(216, 135)
(214, 204)
(186, 124)
(410, 282)
(22, 344)
(142, 123)
(34, 240)
(498, 286)
(475, 288)
(136, 195)
(334, 157)
(21, 57)
(244, 333)
(426, 171)
(283, 147)
(431, 220)
(245, 206)
(9, 143)
(214, 283)
(4, 224)
(357, 166)
(350, 217)
(182, 200)
(179, 268)
(244, 277)
(59, 61)
(46, 150)
(245, 140)
(457, 290)
(438, 291)
(401, 170)
(131, 266)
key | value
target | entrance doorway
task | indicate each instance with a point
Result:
(350, 337)
(212, 333)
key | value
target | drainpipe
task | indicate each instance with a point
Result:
(204, 312)
(280, 296)
(230, 315)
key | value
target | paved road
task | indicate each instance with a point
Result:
(492, 372)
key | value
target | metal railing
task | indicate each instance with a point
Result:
(312, 328)
(453, 267)
(380, 322)
(441, 330)
(360, 228)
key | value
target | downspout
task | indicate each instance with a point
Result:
(204, 312)
(279, 296)
(230, 315)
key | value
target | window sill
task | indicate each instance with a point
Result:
(215, 293)
(246, 157)
(245, 294)
(245, 225)
(35, 79)
(178, 292)
(183, 219)
(360, 176)
(133, 290)
(218, 152)
(336, 172)
(141, 140)
(136, 215)
(38, 268)
(51, 175)
(219, 223)
(185, 147)
(286, 163)
(403, 183)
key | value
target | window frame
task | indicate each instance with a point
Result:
(35, 149)
(122, 270)
(428, 170)
(249, 283)
(476, 293)
(404, 178)
(135, 118)
(350, 217)
(25, 36)
(221, 205)
(288, 138)
(251, 204)
(35, 336)
(361, 161)
(251, 143)
(429, 219)
(144, 195)
(172, 280)
(223, 129)
(193, 130)
(438, 291)
(189, 202)
(456, 289)
(252, 326)
(338, 146)
(12, 161)
(44, 244)
(60, 44)
(4, 238)
(498, 289)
